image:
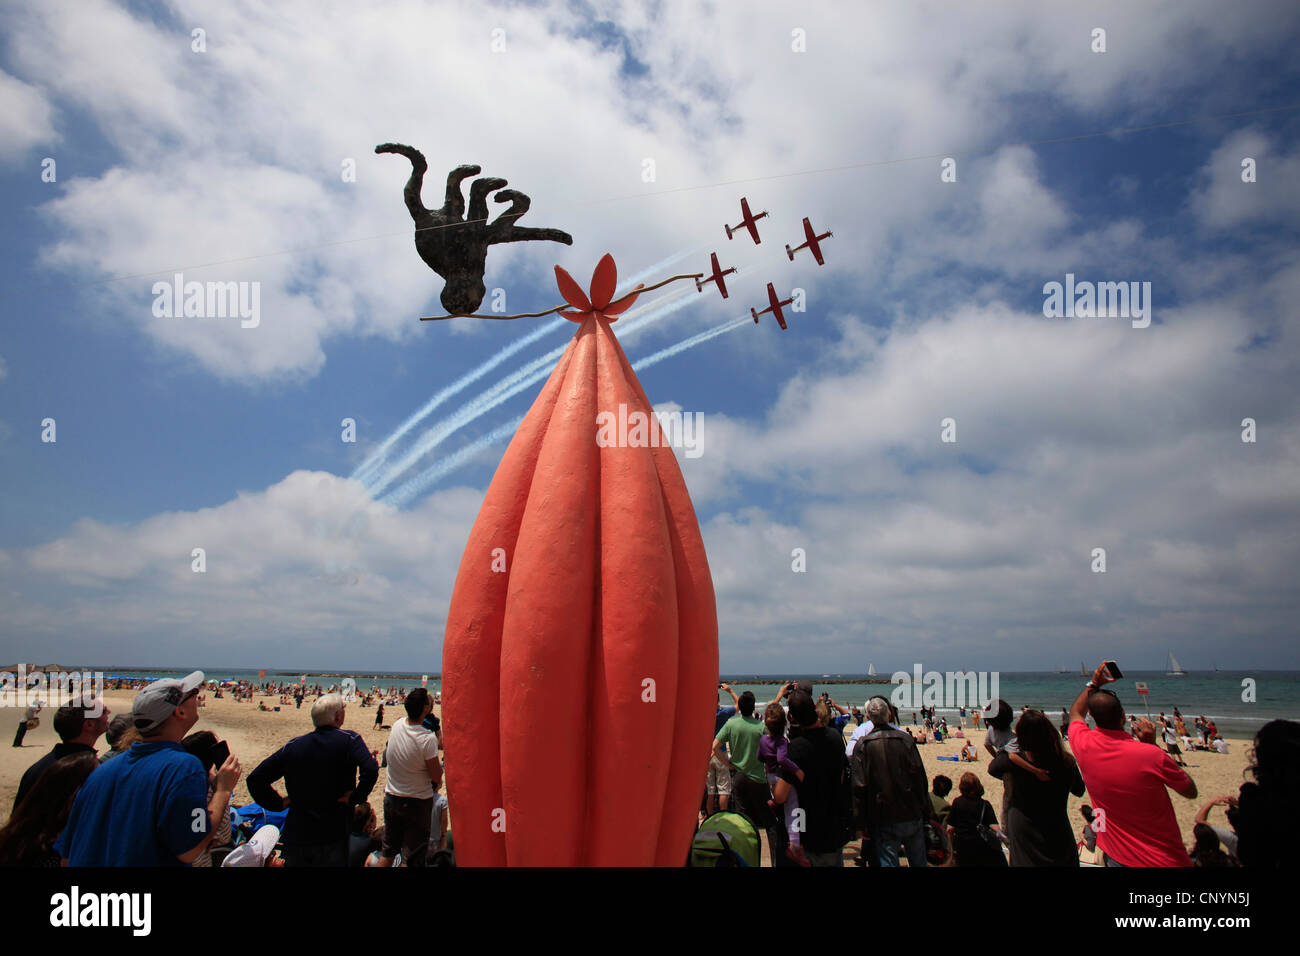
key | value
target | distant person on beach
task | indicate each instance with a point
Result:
(821, 785)
(379, 717)
(31, 717)
(774, 751)
(1266, 801)
(969, 754)
(1171, 745)
(78, 733)
(1037, 823)
(891, 800)
(34, 826)
(1127, 779)
(150, 806)
(414, 775)
(326, 773)
(736, 744)
(975, 719)
(973, 826)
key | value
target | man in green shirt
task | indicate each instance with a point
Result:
(740, 736)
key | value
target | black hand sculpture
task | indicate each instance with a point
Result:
(458, 253)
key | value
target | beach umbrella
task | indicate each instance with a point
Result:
(583, 593)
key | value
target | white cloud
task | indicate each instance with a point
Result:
(1224, 201)
(26, 120)
(236, 151)
(303, 569)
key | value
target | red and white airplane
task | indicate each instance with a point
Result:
(718, 273)
(774, 308)
(748, 220)
(813, 243)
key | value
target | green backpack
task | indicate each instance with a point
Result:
(726, 839)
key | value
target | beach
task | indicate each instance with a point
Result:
(254, 735)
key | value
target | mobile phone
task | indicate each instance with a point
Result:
(220, 752)
(1113, 670)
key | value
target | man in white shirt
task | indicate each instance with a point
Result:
(414, 775)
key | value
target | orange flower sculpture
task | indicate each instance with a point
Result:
(580, 663)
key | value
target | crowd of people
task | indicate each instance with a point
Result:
(791, 773)
(161, 794)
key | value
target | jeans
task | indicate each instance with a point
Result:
(886, 838)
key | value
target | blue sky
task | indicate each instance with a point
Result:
(1072, 433)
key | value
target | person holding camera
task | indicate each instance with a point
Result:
(1127, 778)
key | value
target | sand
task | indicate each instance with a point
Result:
(254, 735)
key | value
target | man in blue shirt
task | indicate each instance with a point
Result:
(149, 807)
(320, 772)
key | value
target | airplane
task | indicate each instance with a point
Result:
(718, 273)
(748, 220)
(813, 243)
(774, 308)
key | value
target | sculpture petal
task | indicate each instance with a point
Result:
(603, 282)
(571, 291)
(619, 306)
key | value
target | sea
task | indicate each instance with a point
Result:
(1239, 702)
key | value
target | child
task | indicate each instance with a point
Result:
(773, 751)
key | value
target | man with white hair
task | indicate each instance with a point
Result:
(326, 773)
(891, 794)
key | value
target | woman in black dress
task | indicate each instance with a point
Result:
(969, 811)
(1037, 822)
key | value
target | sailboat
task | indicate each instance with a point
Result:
(871, 670)
(1175, 669)
(1082, 672)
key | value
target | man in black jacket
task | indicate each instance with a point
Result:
(823, 793)
(891, 799)
(320, 772)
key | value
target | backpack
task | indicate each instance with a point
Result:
(727, 838)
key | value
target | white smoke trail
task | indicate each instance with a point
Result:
(432, 475)
(519, 380)
(378, 458)
(685, 344)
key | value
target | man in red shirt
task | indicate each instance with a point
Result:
(1126, 778)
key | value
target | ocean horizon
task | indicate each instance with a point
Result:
(1239, 701)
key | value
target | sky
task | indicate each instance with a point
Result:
(224, 155)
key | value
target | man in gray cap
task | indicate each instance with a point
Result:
(149, 807)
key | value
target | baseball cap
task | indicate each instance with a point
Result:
(153, 705)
